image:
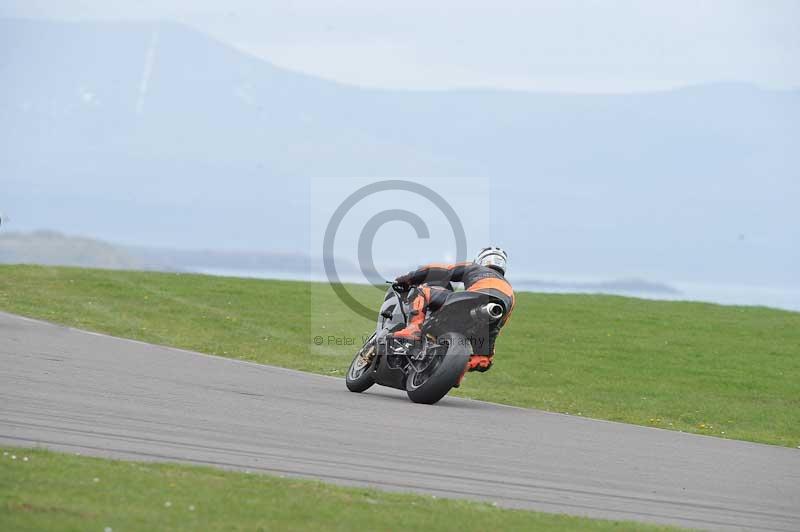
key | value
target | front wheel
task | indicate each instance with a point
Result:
(440, 369)
(359, 377)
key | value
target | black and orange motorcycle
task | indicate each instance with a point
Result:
(429, 368)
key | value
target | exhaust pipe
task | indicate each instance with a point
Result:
(488, 312)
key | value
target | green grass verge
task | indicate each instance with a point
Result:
(709, 369)
(52, 491)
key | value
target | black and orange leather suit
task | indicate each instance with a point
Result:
(432, 282)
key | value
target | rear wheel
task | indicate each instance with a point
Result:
(359, 375)
(439, 370)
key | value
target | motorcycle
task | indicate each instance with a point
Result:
(429, 368)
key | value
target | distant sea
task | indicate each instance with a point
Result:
(781, 297)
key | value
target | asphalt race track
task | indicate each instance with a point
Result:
(75, 391)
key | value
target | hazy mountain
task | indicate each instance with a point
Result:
(53, 248)
(155, 134)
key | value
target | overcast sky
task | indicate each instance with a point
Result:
(563, 45)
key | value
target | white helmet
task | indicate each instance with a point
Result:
(493, 257)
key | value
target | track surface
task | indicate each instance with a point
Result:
(71, 390)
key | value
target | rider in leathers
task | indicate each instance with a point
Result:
(486, 274)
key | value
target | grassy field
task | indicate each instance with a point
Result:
(724, 371)
(41, 490)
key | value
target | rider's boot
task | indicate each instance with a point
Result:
(476, 363)
(479, 363)
(413, 332)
